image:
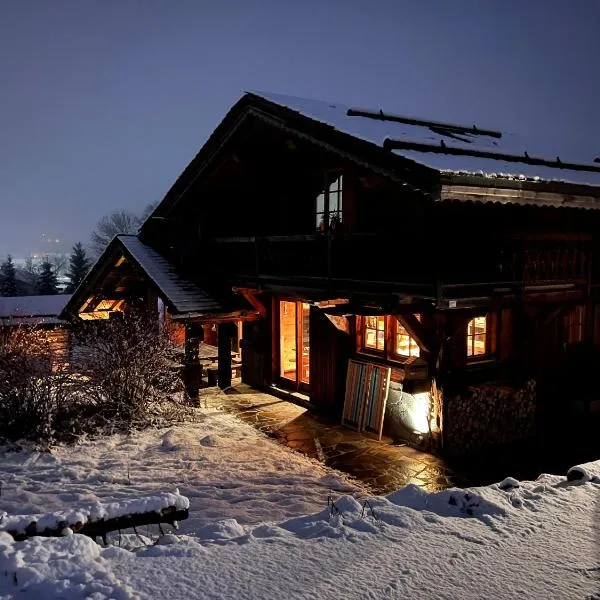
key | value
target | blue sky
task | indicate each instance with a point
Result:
(103, 103)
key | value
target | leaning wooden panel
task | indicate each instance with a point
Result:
(377, 399)
(354, 401)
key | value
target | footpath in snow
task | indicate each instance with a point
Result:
(262, 535)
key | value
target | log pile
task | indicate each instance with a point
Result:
(490, 416)
(99, 520)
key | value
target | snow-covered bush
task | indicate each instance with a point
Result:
(33, 390)
(126, 365)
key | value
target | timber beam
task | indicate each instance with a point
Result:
(417, 331)
(249, 295)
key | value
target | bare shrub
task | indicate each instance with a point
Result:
(127, 367)
(31, 390)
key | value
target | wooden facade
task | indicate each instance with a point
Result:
(474, 289)
(40, 314)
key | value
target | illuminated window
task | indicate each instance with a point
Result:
(374, 333)
(477, 336)
(329, 203)
(405, 345)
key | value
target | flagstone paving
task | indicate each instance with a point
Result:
(382, 465)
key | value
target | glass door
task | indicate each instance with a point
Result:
(294, 343)
(288, 349)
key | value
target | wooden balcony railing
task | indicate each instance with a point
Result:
(401, 259)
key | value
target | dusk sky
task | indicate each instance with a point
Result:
(103, 104)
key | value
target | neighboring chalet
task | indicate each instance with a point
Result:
(452, 256)
(39, 312)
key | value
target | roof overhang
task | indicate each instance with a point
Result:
(484, 190)
(106, 285)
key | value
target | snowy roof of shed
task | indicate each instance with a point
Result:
(184, 296)
(32, 310)
(447, 148)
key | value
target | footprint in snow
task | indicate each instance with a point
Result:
(212, 441)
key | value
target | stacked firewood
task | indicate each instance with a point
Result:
(490, 416)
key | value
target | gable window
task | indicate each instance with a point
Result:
(404, 345)
(374, 333)
(478, 337)
(329, 203)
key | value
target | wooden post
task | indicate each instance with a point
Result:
(152, 304)
(225, 331)
(192, 372)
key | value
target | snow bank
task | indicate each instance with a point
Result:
(585, 472)
(452, 502)
(523, 539)
(18, 524)
(66, 568)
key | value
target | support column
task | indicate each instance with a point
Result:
(225, 332)
(192, 370)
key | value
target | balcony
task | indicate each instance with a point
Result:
(402, 262)
(322, 259)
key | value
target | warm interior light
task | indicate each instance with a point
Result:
(374, 333)
(476, 336)
(94, 316)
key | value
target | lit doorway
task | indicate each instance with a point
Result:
(294, 343)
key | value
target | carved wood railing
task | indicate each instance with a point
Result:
(401, 259)
(549, 261)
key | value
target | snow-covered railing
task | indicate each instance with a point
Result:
(99, 519)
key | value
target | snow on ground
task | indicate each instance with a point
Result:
(224, 466)
(264, 537)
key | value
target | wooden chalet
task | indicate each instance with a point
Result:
(460, 259)
(40, 313)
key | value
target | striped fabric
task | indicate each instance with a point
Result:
(367, 387)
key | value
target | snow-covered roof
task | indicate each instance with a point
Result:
(32, 309)
(497, 168)
(393, 131)
(183, 295)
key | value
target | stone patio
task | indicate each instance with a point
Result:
(383, 466)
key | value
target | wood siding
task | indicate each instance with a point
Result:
(256, 353)
(330, 350)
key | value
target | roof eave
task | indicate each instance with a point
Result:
(529, 184)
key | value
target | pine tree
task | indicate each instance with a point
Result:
(47, 283)
(8, 278)
(79, 265)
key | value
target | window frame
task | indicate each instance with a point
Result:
(396, 326)
(489, 350)
(323, 218)
(388, 352)
(363, 345)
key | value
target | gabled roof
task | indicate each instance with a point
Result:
(448, 148)
(182, 295)
(32, 310)
(421, 154)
